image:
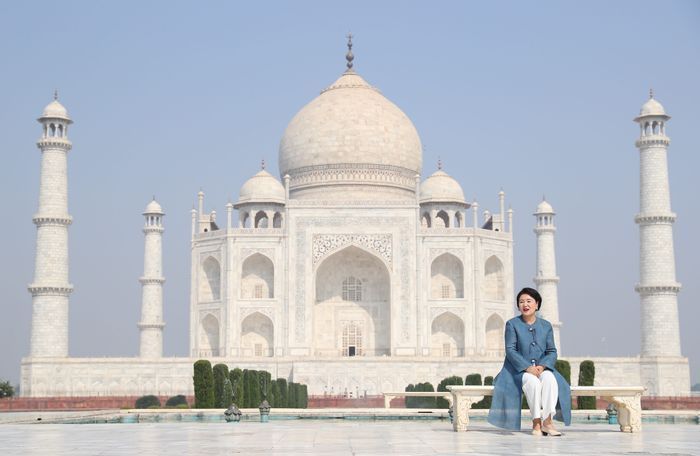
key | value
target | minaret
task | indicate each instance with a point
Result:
(151, 324)
(51, 288)
(657, 286)
(546, 278)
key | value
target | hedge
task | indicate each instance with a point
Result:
(149, 401)
(564, 369)
(441, 402)
(485, 403)
(420, 402)
(203, 384)
(586, 377)
(220, 377)
(282, 400)
(174, 401)
(236, 378)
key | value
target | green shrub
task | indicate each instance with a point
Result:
(410, 401)
(220, 377)
(441, 402)
(564, 368)
(236, 378)
(274, 394)
(586, 377)
(203, 384)
(485, 403)
(265, 383)
(6, 389)
(174, 401)
(182, 406)
(425, 402)
(149, 401)
(472, 379)
(283, 398)
(303, 396)
(228, 393)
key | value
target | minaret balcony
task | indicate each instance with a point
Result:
(41, 220)
(655, 219)
(54, 142)
(48, 290)
(653, 140)
(671, 288)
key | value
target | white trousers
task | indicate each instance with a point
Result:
(541, 393)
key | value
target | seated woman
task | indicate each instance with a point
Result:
(529, 368)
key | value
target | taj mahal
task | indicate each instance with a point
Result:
(355, 272)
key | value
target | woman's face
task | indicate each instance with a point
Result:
(527, 305)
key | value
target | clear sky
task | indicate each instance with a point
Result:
(167, 97)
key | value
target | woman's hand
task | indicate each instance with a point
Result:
(534, 370)
(540, 369)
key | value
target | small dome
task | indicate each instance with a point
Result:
(55, 110)
(261, 188)
(652, 108)
(442, 188)
(544, 208)
(153, 208)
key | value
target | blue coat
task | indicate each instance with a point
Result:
(525, 343)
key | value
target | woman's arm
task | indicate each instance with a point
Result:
(550, 352)
(512, 354)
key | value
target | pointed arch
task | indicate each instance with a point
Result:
(352, 310)
(257, 277)
(494, 280)
(257, 335)
(447, 336)
(442, 219)
(458, 220)
(446, 277)
(261, 220)
(277, 220)
(210, 282)
(425, 220)
(209, 336)
(494, 335)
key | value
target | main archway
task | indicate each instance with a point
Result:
(352, 310)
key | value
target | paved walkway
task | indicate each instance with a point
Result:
(331, 437)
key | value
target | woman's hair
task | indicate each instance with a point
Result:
(534, 294)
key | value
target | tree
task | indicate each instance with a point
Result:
(485, 403)
(203, 384)
(149, 401)
(220, 378)
(6, 389)
(564, 368)
(174, 401)
(283, 399)
(303, 396)
(410, 401)
(442, 386)
(228, 393)
(586, 377)
(472, 379)
(236, 377)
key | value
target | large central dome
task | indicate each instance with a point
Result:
(351, 138)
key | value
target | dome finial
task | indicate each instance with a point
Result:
(349, 57)
(651, 93)
(262, 164)
(439, 163)
(55, 94)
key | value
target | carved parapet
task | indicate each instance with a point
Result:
(54, 143)
(655, 219)
(41, 290)
(41, 220)
(652, 141)
(149, 280)
(658, 289)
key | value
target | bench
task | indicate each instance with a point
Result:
(627, 399)
(388, 397)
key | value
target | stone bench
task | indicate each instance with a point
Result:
(388, 397)
(627, 399)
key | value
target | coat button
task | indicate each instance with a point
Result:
(532, 343)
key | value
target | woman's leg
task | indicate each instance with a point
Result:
(533, 392)
(550, 395)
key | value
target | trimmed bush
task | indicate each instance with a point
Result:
(203, 384)
(292, 395)
(149, 401)
(236, 378)
(283, 398)
(265, 383)
(586, 377)
(274, 394)
(228, 393)
(485, 403)
(564, 369)
(472, 379)
(410, 401)
(441, 402)
(176, 401)
(425, 402)
(220, 377)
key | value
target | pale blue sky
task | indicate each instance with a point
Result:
(168, 97)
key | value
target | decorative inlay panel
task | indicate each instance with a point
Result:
(325, 244)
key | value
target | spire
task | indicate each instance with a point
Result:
(439, 163)
(349, 56)
(55, 94)
(651, 93)
(262, 164)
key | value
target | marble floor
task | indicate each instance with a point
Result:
(336, 437)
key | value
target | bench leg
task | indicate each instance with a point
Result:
(629, 412)
(462, 404)
(387, 401)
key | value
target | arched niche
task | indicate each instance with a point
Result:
(210, 282)
(257, 277)
(209, 336)
(447, 336)
(257, 335)
(494, 281)
(352, 310)
(494, 335)
(261, 220)
(446, 277)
